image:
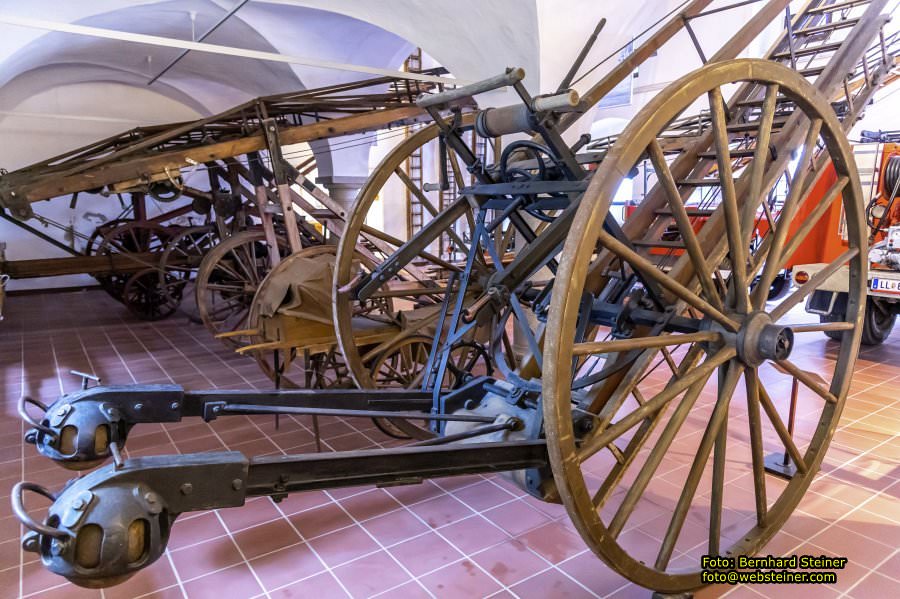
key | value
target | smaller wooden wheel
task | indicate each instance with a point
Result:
(145, 240)
(227, 281)
(402, 365)
(151, 296)
(182, 257)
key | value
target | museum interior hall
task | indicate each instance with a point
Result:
(486, 298)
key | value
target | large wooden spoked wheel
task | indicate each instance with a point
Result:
(425, 277)
(678, 455)
(227, 281)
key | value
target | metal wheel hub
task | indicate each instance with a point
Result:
(760, 339)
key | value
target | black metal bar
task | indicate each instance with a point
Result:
(275, 475)
(209, 32)
(303, 411)
(474, 432)
(579, 60)
(23, 225)
(344, 399)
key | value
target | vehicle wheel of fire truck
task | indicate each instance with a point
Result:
(618, 457)
(227, 281)
(780, 287)
(878, 322)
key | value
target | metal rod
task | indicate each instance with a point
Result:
(253, 409)
(209, 32)
(567, 80)
(475, 432)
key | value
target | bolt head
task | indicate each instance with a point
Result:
(174, 405)
(237, 484)
(187, 489)
(138, 406)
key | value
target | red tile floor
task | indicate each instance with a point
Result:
(474, 536)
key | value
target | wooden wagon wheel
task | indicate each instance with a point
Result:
(151, 295)
(227, 281)
(423, 277)
(607, 459)
(129, 237)
(182, 257)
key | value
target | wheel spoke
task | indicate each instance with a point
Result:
(667, 180)
(812, 284)
(751, 381)
(822, 327)
(807, 379)
(760, 159)
(424, 201)
(604, 437)
(833, 193)
(736, 248)
(798, 192)
(717, 419)
(626, 345)
(637, 488)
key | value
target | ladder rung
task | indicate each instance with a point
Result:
(827, 27)
(759, 102)
(812, 71)
(700, 182)
(836, 7)
(810, 50)
(742, 153)
(650, 243)
(690, 211)
(753, 126)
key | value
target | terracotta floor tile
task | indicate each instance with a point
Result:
(286, 565)
(194, 529)
(441, 510)
(410, 590)
(462, 579)
(875, 585)
(473, 534)
(590, 571)
(370, 504)
(371, 575)
(425, 553)
(238, 580)
(320, 520)
(516, 517)
(510, 561)
(344, 545)
(265, 538)
(554, 542)
(198, 560)
(320, 586)
(254, 512)
(551, 583)
(395, 526)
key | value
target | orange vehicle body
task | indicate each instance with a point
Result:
(825, 242)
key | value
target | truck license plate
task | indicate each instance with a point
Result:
(886, 285)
